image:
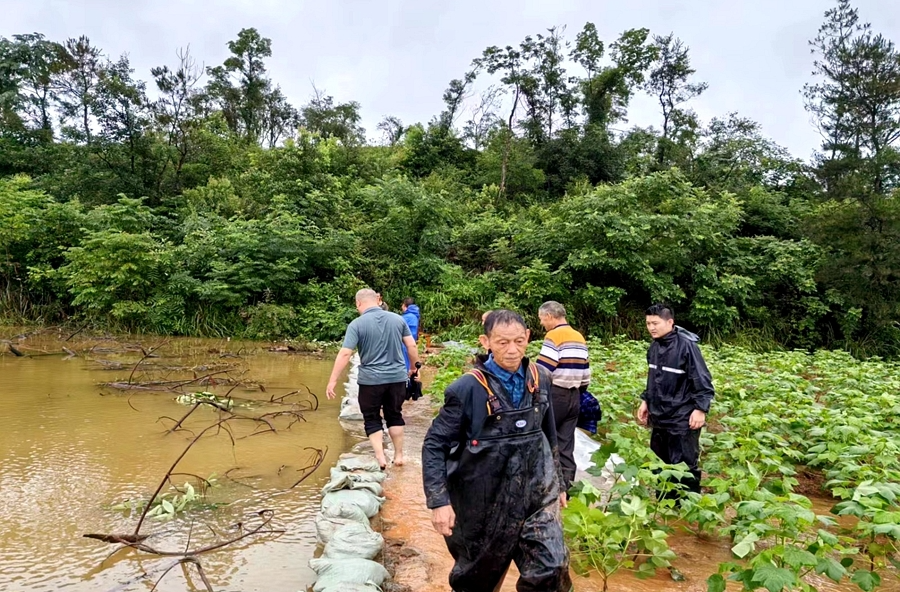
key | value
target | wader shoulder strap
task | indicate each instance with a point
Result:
(535, 385)
(493, 403)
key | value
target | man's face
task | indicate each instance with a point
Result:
(659, 327)
(547, 322)
(507, 343)
(403, 307)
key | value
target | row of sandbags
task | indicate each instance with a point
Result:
(351, 497)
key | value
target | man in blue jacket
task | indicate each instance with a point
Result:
(410, 314)
(679, 392)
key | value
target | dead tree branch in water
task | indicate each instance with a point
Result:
(173, 386)
(310, 469)
(147, 354)
(281, 399)
(183, 562)
(136, 540)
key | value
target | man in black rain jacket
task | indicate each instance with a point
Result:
(679, 392)
(491, 470)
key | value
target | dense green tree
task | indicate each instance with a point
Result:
(77, 87)
(668, 82)
(208, 204)
(340, 121)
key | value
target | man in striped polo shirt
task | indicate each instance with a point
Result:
(565, 354)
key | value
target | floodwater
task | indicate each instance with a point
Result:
(71, 449)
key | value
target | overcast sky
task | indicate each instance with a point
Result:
(395, 57)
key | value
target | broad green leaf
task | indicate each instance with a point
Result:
(715, 583)
(830, 568)
(745, 545)
(774, 579)
(866, 580)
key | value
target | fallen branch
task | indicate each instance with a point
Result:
(266, 515)
(182, 562)
(146, 355)
(310, 469)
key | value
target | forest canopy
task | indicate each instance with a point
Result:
(199, 201)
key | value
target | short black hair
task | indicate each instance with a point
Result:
(502, 317)
(663, 311)
(408, 301)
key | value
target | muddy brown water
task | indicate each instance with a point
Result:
(70, 449)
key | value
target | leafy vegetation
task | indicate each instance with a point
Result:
(170, 504)
(200, 201)
(798, 443)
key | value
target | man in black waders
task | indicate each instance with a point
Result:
(491, 469)
(679, 392)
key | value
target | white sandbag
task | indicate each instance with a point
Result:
(585, 447)
(354, 540)
(350, 410)
(367, 501)
(365, 476)
(353, 588)
(329, 523)
(357, 462)
(351, 390)
(339, 573)
(344, 481)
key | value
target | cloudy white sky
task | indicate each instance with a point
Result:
(395, 57)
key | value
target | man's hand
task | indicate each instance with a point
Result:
(698, 420)
(563, 500)
(644, 414)
(340, 362)
(443, 519)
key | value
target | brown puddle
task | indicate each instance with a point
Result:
(67, 454)
(422, 562)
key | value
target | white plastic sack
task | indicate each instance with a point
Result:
(353, 588)
(339, 573)
(334, 503)
(365, 476)
(354, 540)
(357, 462)
(345, 481)
(350, 410)
(329, 523)
(585, 447)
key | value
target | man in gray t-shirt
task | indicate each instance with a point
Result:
(380, 337)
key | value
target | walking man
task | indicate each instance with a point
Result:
(380, 337)
(490, 469)
(564, 354)
(679, 393)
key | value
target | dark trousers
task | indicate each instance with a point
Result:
(537, 549)
(373, 398)
(566, 405)
(679, 446)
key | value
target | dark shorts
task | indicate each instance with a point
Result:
(373, 398)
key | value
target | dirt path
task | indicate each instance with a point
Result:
(419, 557)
